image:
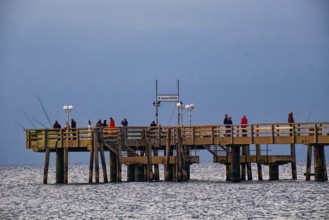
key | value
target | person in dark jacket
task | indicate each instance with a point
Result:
(291, 121)
(73, 123)
(56, 125)
(291, 118)
(226, 123)
(124, 122)
(104, 123)
(153, 124)
(99, 123)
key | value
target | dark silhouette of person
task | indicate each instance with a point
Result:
(99, 123)
(73, 128)
(291, 121)
(104, 123)
(226, 123)
(56, 125)
(153, 124)
(73, 123)
(124, 122)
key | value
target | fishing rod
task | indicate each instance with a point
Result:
(44, 110)
(308, 116)
(40, 123)
(27, 117)
(300, 109)
(20, 124)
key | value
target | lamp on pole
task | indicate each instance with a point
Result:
(68, 109)
(180, 114)
(190, 108)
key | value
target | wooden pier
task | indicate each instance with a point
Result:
(143, 149)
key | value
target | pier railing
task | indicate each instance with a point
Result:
(278, 133)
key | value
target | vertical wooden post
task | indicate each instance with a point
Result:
(168, 167)
(103, 162)
(243, 165)
(187, 165)
(60, 165)
(66, 164)
(235, 164)
(274, 171)
(259, 166)
(179, 157)
(156, 167)
(228, 165)
(113, 166)
(308, 162)
(293, 159)
(139, 173)
(96, 156)
(91, 159)
(320, 169)
(46, 168)
(131, 173)
(249, 171)
(149, 175)
(119, 164)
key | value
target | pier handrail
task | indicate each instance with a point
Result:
(314, 131)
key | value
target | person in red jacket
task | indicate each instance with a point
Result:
(244, 122)
(112, 123)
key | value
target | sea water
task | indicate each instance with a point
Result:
(206, 196)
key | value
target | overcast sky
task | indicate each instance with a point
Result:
(259, 58)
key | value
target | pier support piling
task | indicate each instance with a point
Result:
(259, 166)
(320, 169)
(274, 171)
(113, 166)
(131, 173)
(235, 164)
(46, 167)
(59, 165)
(293, 163)
(308, 162)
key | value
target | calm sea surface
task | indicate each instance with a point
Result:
(206, 196)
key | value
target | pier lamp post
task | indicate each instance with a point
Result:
(180, 114)
(68, 109)
(190, 108)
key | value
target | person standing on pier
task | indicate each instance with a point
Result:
(112, 123)
(99, 123)
(244, 122)
(153, 124)
(230, 122)
(124, 122)
(226, 123)
(56, 125)
(73, 126)
(291, 121)
(291, 118)
(104, 123)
